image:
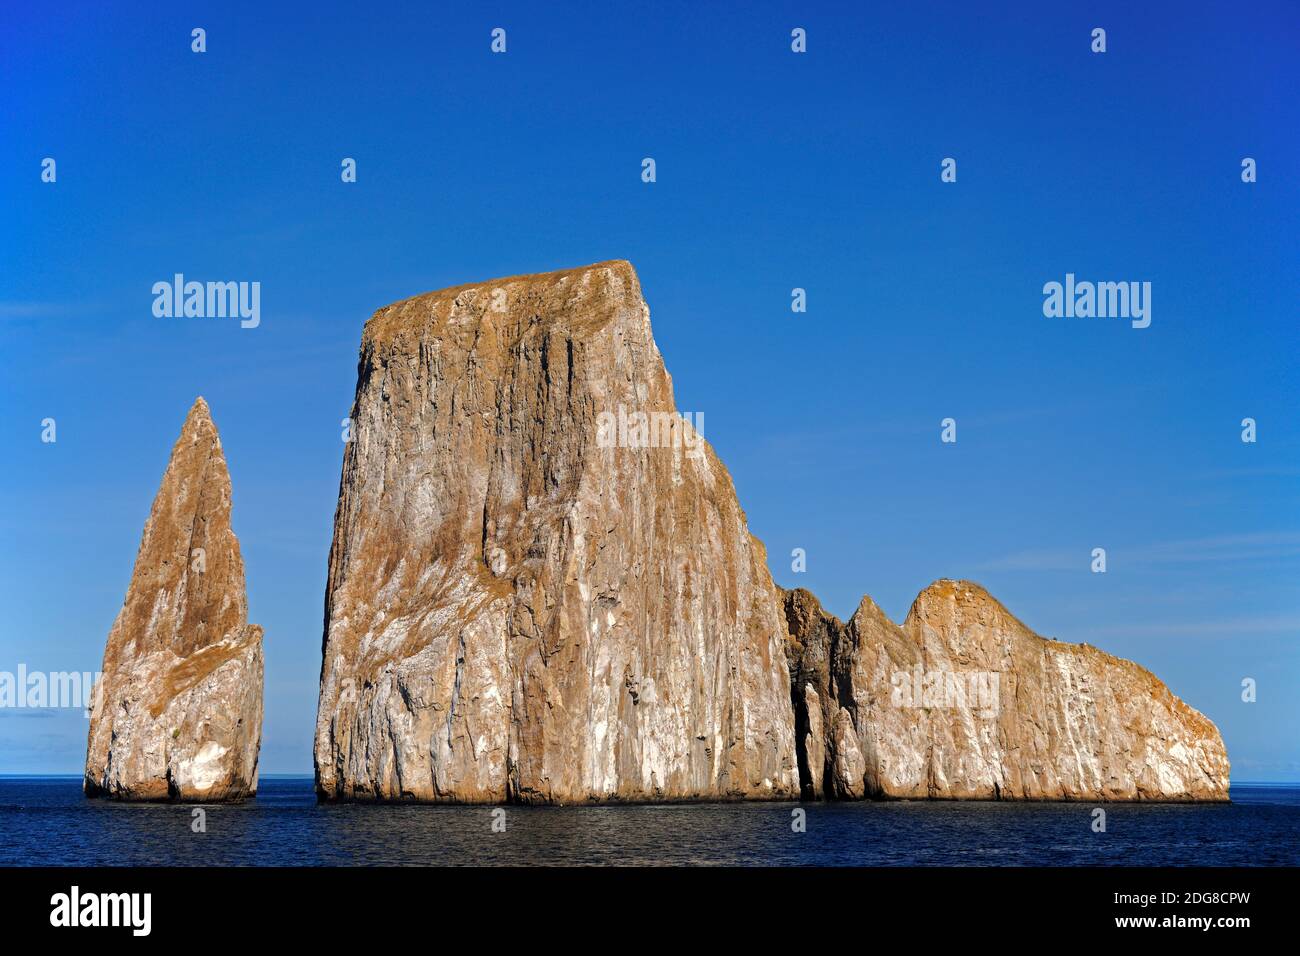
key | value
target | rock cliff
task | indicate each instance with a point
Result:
(964, 701)
(177, 713)
(542, 589)
(541, 586)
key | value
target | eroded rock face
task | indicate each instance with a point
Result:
(964, 701)
(536, 596)
(178, 711)
(524, 602)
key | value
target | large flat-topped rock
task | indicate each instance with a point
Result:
(523, 602)
(542, 589)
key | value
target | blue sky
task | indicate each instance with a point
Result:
(774, 171)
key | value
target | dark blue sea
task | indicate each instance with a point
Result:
(46, 821)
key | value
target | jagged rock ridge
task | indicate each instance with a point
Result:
(177, 713)
(524, 602)
(964, 701)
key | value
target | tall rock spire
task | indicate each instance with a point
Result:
(178, 711)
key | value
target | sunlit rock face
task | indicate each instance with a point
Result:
(964, 701)
(177, 713)
(535, 595)
(542, 589)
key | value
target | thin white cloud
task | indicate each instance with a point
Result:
(1216, 549)
(24, 310)
(1041, 560)
(13, 311)
(1202, 627)
(1280, 471)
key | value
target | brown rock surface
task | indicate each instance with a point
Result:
(516, 611)
(178, 711)
(964, 701)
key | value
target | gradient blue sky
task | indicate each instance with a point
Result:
(775, 170)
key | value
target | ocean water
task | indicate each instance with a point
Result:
(46, 821)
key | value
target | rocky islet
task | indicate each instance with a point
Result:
(177, 714)
(542, 589)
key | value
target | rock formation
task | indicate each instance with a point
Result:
(177, 713)
(964, 701)
(542, 589)
(541, 585)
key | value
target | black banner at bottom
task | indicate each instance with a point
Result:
(371, 905)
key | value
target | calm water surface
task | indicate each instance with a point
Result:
(47, 821)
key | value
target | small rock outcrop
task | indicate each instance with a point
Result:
(177, 714)
(541, 585)
(963, 701)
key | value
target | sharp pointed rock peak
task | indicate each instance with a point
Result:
(177, 713)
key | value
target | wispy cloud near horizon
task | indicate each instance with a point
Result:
(15, 311)
(1236, 548)
(1225, 627)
